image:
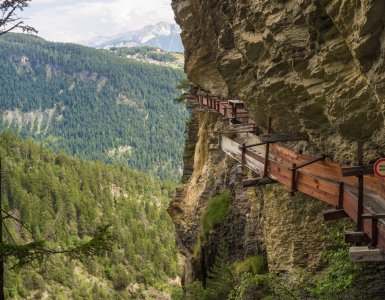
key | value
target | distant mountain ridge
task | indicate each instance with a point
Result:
(162, 35)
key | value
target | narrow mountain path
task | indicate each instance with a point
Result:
(315, 176)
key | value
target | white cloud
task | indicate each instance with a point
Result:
(79, 20)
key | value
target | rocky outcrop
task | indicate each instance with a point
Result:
(315, 66)
(265, 221)
(213, 173)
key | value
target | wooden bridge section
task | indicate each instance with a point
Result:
(353, 191)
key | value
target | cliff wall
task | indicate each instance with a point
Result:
(269, 222)
(314, 66)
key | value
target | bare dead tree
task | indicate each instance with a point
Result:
(9, 18)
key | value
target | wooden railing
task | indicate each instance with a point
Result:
(317, 177)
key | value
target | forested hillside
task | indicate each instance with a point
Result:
(63, 199)
(92, 104)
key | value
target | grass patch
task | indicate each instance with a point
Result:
(254, 265)
(215, 213)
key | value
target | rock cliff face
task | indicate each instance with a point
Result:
(287, 230)
(315, 66)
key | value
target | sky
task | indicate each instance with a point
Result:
(83, 20)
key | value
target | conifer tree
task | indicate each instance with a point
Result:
(9, 18)
(221, 280)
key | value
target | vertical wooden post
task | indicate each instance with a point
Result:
(266, 167)
(256, 130)
(293, 179)
(243, 154)
(340, 204)
(360, 205)
(373, 243)
(234, 112)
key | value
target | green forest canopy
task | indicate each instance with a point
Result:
(93, 104)
(64, 199)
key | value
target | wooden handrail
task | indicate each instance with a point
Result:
(321, 179)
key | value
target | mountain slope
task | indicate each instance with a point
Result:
(92, 104)
(162, 35)
(63, 199)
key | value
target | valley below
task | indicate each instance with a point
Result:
(89, 140)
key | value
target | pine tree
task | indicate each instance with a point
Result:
(220, 280)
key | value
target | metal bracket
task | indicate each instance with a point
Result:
(374, 218)
(294, 168)
(284, 137)
(244, 146)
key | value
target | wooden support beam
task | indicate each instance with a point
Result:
(293, 179)
(236, 117)
(267, 151)
(310, 162)
(251, 145)
(356, 237)
(284, 137)
(364, 253)
(334, 214)
(243, 125)
(258, 182)
(374, 241)
(373, 216)
(360, 204)
(358, 170)
(341, 193)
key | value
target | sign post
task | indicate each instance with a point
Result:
(379, 168)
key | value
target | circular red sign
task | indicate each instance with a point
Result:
(379, 167)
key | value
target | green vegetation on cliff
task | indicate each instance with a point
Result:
(337, 278)
(63, 199)
(93, 104)
(215, 213)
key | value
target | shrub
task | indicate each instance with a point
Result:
(254, 265)
(215, 212)
(120, 279)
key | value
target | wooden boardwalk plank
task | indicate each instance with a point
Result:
(319, 180)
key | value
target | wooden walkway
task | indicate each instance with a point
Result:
(322, 179)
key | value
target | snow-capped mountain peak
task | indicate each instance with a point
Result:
(162, 35)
